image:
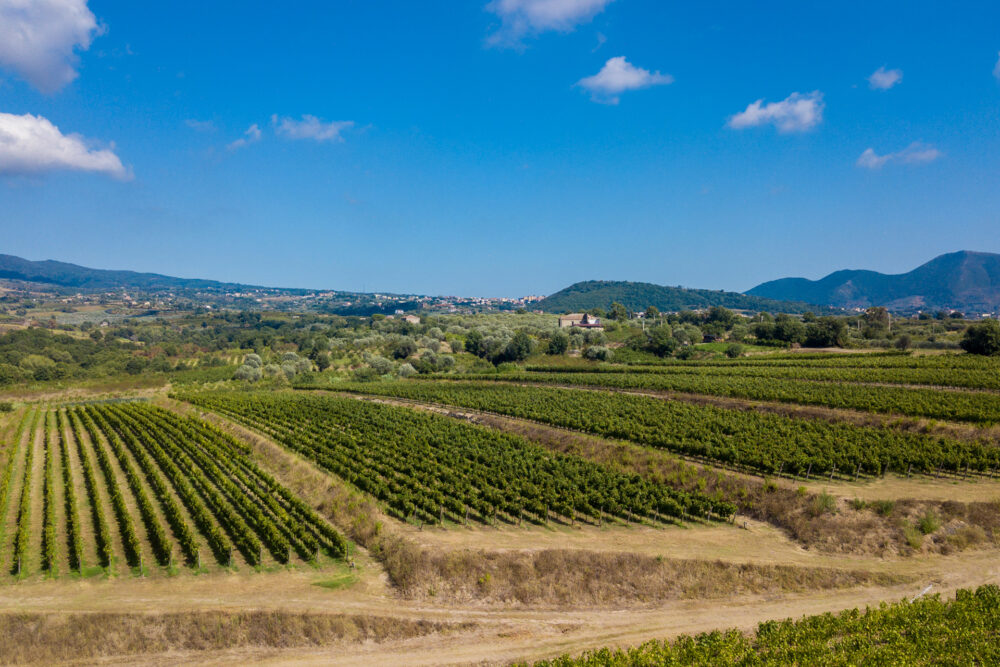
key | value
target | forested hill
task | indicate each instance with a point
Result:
(966, 281)
(64, 274)
(638, 296)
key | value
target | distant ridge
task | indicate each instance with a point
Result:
(965, 280)
(591, 294)
(64, 274)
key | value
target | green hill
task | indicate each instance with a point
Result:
(638, 296)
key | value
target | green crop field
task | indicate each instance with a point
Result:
(768, 443)
(431, 468)
(135, 484)
(928, 631)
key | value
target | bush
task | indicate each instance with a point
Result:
(929, 522)
(858, 504)
(883, 507)
(597, 353)
(247, 372)
(734, 350)
(913, 536)
(406, 370)
(982, 338)
(6, 406)
(823, 503)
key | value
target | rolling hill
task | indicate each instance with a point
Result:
(966, 281)
(638, 296)
(63, 274)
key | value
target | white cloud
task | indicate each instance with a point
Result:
(311, 127)
(996, 68)
(38, 39)
(795, 113)
(915, 153)
(883, 79)
(32, 145)
(251, 136)
(619, 75)
(521, 18)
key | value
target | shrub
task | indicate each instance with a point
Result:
(823, 503)
(597, 352)
(929, 522)
(734, 350)
(247, 372)
(913, 536)
(982, 338)
(858, 504)
(883, 507)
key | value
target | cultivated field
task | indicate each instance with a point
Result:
(509, 517)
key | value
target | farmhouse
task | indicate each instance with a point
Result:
(582, 320)
(412, 319)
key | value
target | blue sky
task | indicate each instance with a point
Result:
(500, 148)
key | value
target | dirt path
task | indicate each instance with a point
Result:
(504, 634)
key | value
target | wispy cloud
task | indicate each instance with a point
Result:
(200, 125)
(915, 153)
(617, 76)
(523, 18)
(251, 136)
(795, 113)
(311, 127)
(33, 145)
(883, 79)
(996, 68)
(39, 38)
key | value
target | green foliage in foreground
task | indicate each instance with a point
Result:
(929, 631)
(768, 443)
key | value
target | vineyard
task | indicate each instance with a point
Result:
(763, 442)
(928, 631)
(976, 407)
(86, 487)
(431, 469)
(964, 376)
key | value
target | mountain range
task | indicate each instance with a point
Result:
(966, 281)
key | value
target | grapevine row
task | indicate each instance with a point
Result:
(73, 542)
(927, 631)
(426, 466)
(976, 407)
(768, 443)
(130, 542)
(102, 532)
